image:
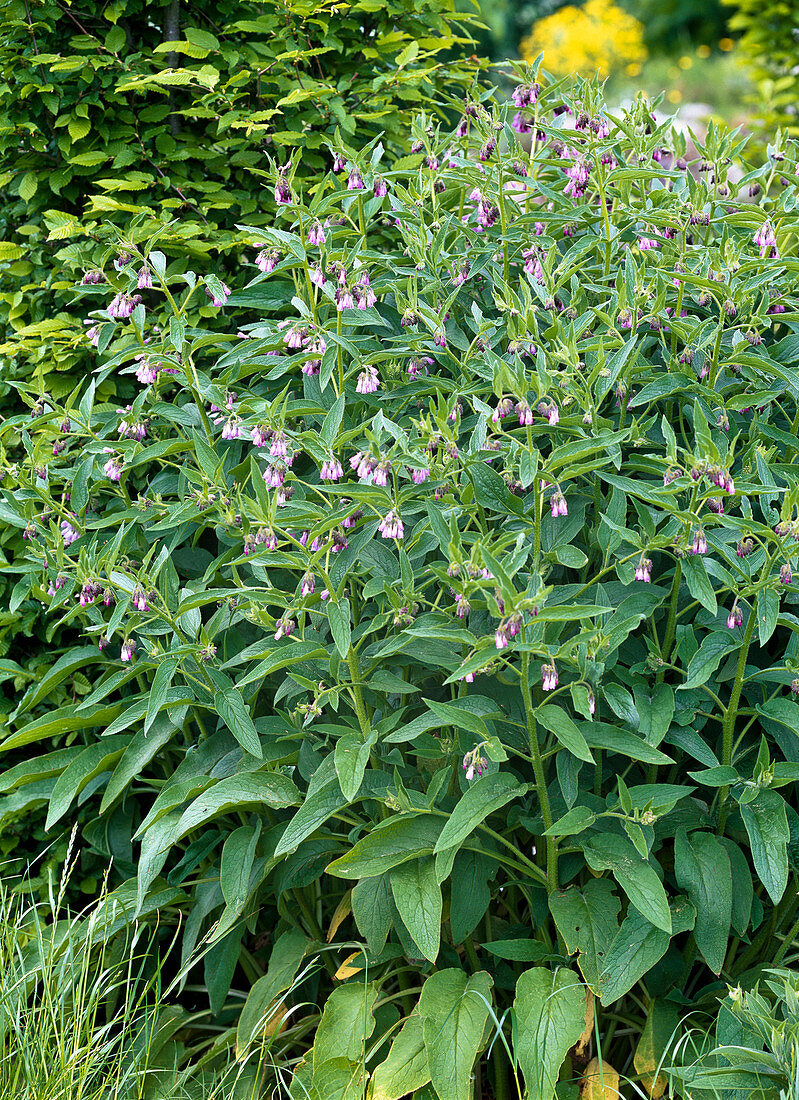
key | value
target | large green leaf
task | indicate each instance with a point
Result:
(454, 1008)
(587, 919)
(607, 851)
(402, 837)
(417, 895)
(635, 949)
(702, 870)
(284, 962)
(405, 1069)
(482, 798)
(548, 1019)
(766, 823)
(346, 1024)
(239, 792)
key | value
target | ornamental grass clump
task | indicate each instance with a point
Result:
(439, 617)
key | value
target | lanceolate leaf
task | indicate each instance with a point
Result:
(702, 870)
(767, 825)
(417, 895)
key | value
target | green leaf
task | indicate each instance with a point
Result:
(768, 609)
(332, 422)
(140, 751)
(575, 821)
(405, 1069)
(548, 1019)
(338, 615)
(454, 1009)
(94, 760)
(708, 657)
(635, 949)
(158, 691)
(608, 851)
(76, 660)
(28, 186)
(351, 758)
(488, 794)
(698, 582)
(557, 721)
(702, 870)
(588, 920)
(284, 962)
(517, 950)
(601, 735)
(400, 838)
(417, 895)
(346, 1024)
(234, 713)
(315, 810)
(742, 889)
(238, 854)
(239, 792)
(766, 823)
(469, 891)
(373, 911)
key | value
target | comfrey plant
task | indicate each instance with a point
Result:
(442, 612)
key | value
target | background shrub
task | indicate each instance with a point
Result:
(438, 616)
(768, 42)
(160, 118)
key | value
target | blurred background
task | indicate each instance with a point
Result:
(689, 49)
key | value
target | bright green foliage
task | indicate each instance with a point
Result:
(768, 42)
(436, 601)
(756, 1048)
(168, 114)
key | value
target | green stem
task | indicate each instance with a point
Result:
(340, 355)
(360, 708)
(671, 624)
(540, 778)
(731, 713)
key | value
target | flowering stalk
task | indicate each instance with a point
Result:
(540, 777)
(731, 713)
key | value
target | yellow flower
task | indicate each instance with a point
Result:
(596, 38)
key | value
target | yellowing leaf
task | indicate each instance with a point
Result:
(599, 1082)
(343, 910)
(583, 1043)
(346, 970)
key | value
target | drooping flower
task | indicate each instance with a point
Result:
(285, 628)
(643, 570)
(129, 647)
(391, 526)
(308, 585)
(68, 532)
(145, 280)
(219, 297)
(331, 470)
(316, 234)
(113, 468)
(267, 259)
(766, 241)
(368, 380)
(735, 617)
(283, 196)
(699, 545)
(549, 676)
(557, 504)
